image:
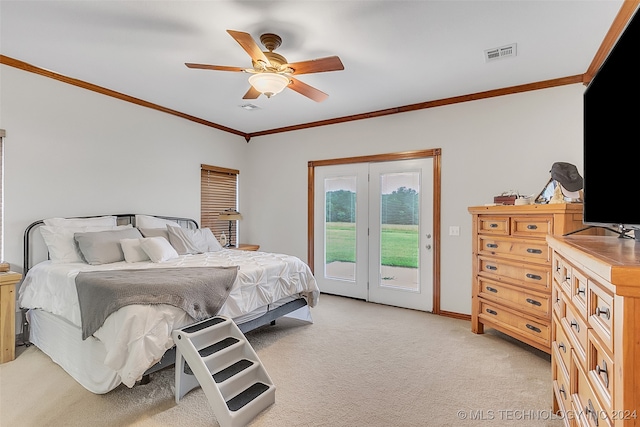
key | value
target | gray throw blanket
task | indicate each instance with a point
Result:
(199, 291)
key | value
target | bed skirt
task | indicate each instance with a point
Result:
(84, 359)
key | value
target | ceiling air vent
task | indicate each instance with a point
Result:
(500, 52)
(249, 107)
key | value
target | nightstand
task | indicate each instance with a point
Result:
(247, 247)
(8, 282)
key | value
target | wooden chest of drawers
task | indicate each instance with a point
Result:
(595, 356)
(511, 285)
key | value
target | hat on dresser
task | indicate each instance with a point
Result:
(567, 175)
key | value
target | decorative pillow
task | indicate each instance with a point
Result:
(103, 247)
(99, 221)
(155, 232)
(205, 240)
(158, 249)
(147, 221)
(60, 242)
(182, 241)
(132, 249)
(192, 241)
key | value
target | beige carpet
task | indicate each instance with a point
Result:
(359, 364)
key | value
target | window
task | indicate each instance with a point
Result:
(218, 192)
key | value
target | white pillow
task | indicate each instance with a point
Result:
(100, 221)
(192, 241)
(158, 249)
(206, 240)
(61, 244)
(132, 249)
(147, 221)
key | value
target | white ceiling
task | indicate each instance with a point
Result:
(395, 52)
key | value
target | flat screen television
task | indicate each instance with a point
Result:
(611, 169)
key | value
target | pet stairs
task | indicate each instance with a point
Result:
(215, 355)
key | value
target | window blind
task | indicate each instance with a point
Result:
(218, 192)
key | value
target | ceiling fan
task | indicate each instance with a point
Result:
(271, 72)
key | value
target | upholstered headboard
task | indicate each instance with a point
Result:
(35, 249)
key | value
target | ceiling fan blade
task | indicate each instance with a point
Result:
(330, 63)
(213, 67)
(306, 90)
(252, 93)
(249, 45)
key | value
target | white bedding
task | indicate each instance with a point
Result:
(135, 337)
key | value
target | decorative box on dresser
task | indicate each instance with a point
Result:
(595, 357)
(511, 267)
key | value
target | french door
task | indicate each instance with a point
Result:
(373, 231)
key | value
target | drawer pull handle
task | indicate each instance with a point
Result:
(581, 291)
(557, 300)
(590, 411)
(493, 225)
(490, 289)
(492, 245)
(563, 391)
(567, 278)
(575, 325)
(533, 328)
(534, 302)
(495, 313)
(534, 276)
(605, 311)
(532, 227)
(534, 251)
(563, 348)
(603, 372)
(492, 267)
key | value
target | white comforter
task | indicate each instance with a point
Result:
(136, 336)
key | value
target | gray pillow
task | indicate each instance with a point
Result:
(192, 241)
(181, 240)
(103, 247)
(154, 232)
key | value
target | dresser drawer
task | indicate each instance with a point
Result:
(600, 313)
(525, 250)
(531, 226)
(561, 389)
(534, 275)
(601, 370)
(515, 321)
(557, 301)
(562, 273)
(562, 345)
(494, 225)
(576, 329)
(578, 286)
(535, 303)
(586, 402)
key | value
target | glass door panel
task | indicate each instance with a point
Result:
(399, 219)
(340, 228)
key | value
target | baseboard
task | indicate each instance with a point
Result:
(455, 315)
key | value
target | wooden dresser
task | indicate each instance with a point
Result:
(595, 357)
(8, 281)
(511, 267)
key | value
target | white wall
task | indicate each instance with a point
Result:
(69, 151)
(73, 152)
(488, 146)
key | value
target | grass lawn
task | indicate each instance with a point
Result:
(399, 244)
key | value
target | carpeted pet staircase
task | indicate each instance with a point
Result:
(215, 355)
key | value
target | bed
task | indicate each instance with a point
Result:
(135, 339)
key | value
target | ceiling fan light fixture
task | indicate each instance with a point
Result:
(269, 84)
